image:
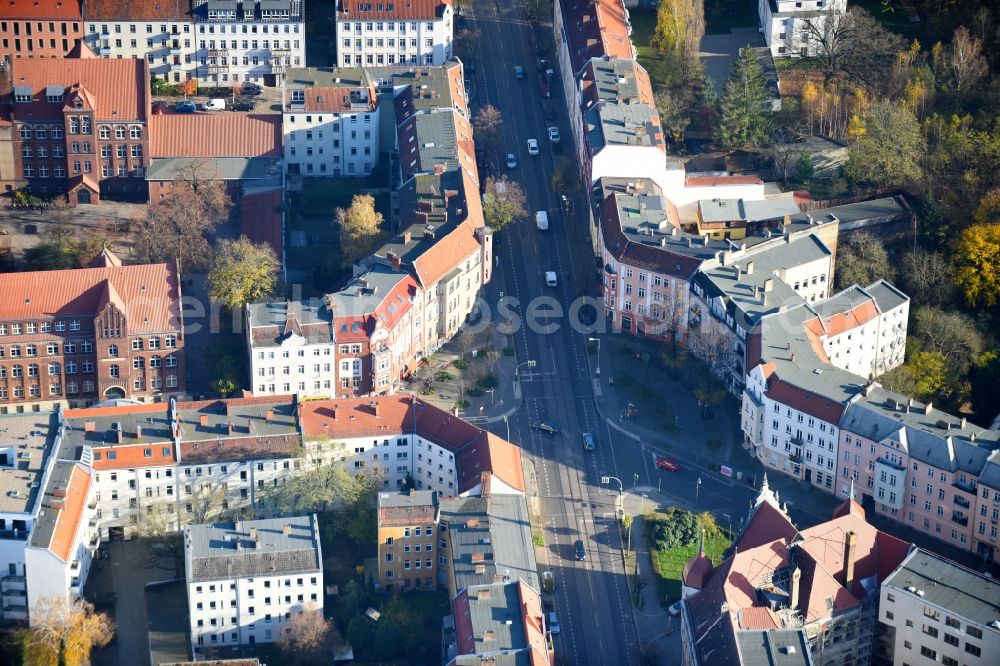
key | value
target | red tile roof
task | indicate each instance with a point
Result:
(767, 524)
(240, 448)
(49, 10)
(150, 294)
(595, 28)
(842, 322)
(349, 10)
(260, 219)
(136, 10)
(330, 100)
(639, 255)
(118, 88)
(68, 520)
(134, 455)
(804, 400)
(448, 252)
(214, 135)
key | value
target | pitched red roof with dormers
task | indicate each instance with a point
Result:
(118, 89)
(47, 10)
(388, 10)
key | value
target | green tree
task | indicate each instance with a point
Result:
(888, 153)
(360, 229)
(862, 260)
(977, 264)
(397, 613)
(673, 112)
(361, 636)
(804, 169)
(952, 334)
(224, 368)
(930, 372)
(680, 25)
(746, 114)
(242, 272)
(503, 202)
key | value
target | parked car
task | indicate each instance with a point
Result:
(581, 551)
(518, 72)
(550, 279)
(250, 88)
(185, 107)
(667, 464)
(675, 608)
(588, 442)
(217, 104)
(160, 107)
(553, 624)
(554, 135)
(550, 427)
(511, 160)
(532, 146)
(244, 105)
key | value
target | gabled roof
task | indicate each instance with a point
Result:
(595, 28)
(42, 10)
(137, 10)
(147, 293)
(62, 507)
(215, 135)
(389, 10)
(117, 87)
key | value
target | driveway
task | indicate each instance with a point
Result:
(719, 51)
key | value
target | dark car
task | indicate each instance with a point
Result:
(549, 427)
(186, 107)
(587, 314)
(581, 552)
(244, 105)
(249, 88)
(588, 442)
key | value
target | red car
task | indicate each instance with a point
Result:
(667, 464)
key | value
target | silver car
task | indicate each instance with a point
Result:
(553, 624)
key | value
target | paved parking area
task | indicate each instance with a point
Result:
(166, 606)
(719, 51)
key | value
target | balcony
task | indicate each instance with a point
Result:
(175, 50)
(19, 535)
(959, 518)
(893, 465)
(104, 51)
(796, 458)
(965, 487)
(218, 53)
(796, 441)
(218, 69)
(961, 501)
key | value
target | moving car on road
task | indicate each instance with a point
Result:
(581, 552)
(532, 146)
(518, 72)
(511, 161)
(553, 624)
(588, 442)
(550, 279)
(667, 464)
(554, 135)
(550, 427)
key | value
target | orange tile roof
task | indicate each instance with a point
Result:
(448, 252)
(119, 87)
(150, 294)
(702, 181)
(214, 135)
(842, 322)
(758, 617)
(349, 10)
(595, 28)
(330, 99)
(68, 520)
(240, 448)
(134, 455)
(49, 10)
(495, 456)
(533, 623)
(118, 410)
(136, 10)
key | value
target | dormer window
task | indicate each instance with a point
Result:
(54, 94)
(22, 94)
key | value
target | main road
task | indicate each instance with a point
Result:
(592, 596)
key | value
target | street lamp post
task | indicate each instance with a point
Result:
(517, 371)
(492, 396)
(621, 492)
(598, 341)
(697, 489)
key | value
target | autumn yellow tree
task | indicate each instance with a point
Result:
(64, 632)
(360, 228)
(189, 87)
(977, 264)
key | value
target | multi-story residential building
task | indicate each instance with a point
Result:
(82, 336)
(407, 540)
(241, 151)
(81, 126)
(40, 28)
(823, 580)
(987, 515)
(161, 32)
(402, 437)
(329, 129)
(934, 611)
(246, 579)
(253, 40)
(47, 531)
(418, 32)
(292, 348)
(500, 618)
(799, 28)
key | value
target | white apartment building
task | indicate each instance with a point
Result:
(330, 130)
(400, 33)
(246, 579)
(161, 32)
(252, 40)
(292, 348)
(933, 611)
(794, 28)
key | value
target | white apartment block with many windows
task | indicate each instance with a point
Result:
(400, 33)
(254, 40)
(246, 579)
(292, 349)
(933, 611)
(795, 28)
(330, 130)
(162, 33)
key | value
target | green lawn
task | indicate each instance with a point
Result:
(670, 564)
(643, 22)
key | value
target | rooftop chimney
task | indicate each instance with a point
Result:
(749, 264)
(229, 426)
(739, 273)
(793, 588)
(286, 529)
(407, 237)
(962, 423)
(334, 410)
(374, 406)
(928, 407)
(850, 546)
(203, 420)
(138, 432)
(768, 285)
(119, 435)
(394, 259)
(269, 415)
(89, 426)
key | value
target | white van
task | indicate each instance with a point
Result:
(542, 220)
(218, 104)
(550, 279)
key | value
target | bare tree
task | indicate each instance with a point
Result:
(965, 60)
(487, 122)
(852, 43)
(307, 634)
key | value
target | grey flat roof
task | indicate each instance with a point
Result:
(366, 293)
(496, 607)
(216, 168)
(315, 321)
(974, 597)
(224, 551)
(247, 419)
(502, 520)
(615, 78)
(622, 124)
(27, 441)
(886, 296)
(775, 647)
(850, 214)
(431, 88)
(725, 210)
(155, 428)
(45, 525)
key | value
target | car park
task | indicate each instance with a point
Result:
(588, 442)
(549, 427)
(511, 160)
(244, 105)
(518, 72)
(554, 135)
(553, 624)
(185, 107)
(667, 464)
(532, 146)
(580, 550)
